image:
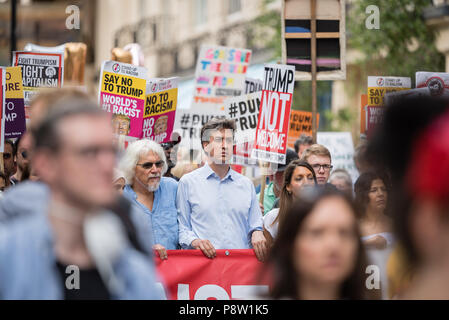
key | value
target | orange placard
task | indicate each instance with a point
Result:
(364, 102)
(300, 122)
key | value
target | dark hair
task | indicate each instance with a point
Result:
(13, 147)
(216, 124)
(280, 262)
(46, 133)
(391, 147)
(362, 189)
(286, 198)
(303, 139)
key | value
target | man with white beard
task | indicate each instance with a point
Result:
(143, 166)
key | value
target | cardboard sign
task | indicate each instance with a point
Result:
(300, 122)
(122, 94)
(245, 110)
(188, 124)
(378, 87)
(14, 104)
(341, 147)
(39, 69)
(253, 85)
(273, 123)
(436, 82)
(220, 73)
(2, 115)
(160, 109)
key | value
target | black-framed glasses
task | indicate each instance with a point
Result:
(326, 167)
(148, 165)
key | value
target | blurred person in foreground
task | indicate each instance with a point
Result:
(144, 165)
(297, 175)
(318, 254)
(274, 188)
(319, 157)
(371, 198)
(217, 207)
(412, 143)
(76, 229)
(342, 180)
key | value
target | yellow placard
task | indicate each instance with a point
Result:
(160, 102)
(123, 85)
(14, 88)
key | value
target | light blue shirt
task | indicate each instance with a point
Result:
(164, 216)
(223, 211)
(28, 264)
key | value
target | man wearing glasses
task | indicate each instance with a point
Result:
(319, 157)
(143, 166)
(218, 207)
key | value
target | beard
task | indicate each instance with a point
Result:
(151, 187)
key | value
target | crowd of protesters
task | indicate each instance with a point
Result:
(70, 198)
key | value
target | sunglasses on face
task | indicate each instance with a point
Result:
(148, 165)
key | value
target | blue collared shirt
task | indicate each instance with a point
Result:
(163, 217)
(223, 211)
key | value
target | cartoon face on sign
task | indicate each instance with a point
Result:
(161, 125)
(121, 124)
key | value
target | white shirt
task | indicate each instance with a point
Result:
(268, 222)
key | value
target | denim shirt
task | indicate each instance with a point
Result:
(28, 264)
(164, 215)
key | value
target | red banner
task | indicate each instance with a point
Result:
(232, 274)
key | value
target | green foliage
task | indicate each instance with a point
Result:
(404, 43)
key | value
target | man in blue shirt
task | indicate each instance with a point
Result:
(73, 246)
(217, 207)
(143, 166)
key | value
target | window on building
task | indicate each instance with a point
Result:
(200, 12)
(234, 6)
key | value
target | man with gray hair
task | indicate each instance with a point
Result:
(342, 180)
(143, 166)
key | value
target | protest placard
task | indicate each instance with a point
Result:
(374, 116)
(2, 120)
(245, 111)
(378, 87)
(160, 109)
(253, 85)
(188, 123)
(14, 104)
(341, 147)
(300, 122)
(436, 82)
(272, 130)
(39, 69)
(220, 73)
(122, 94)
